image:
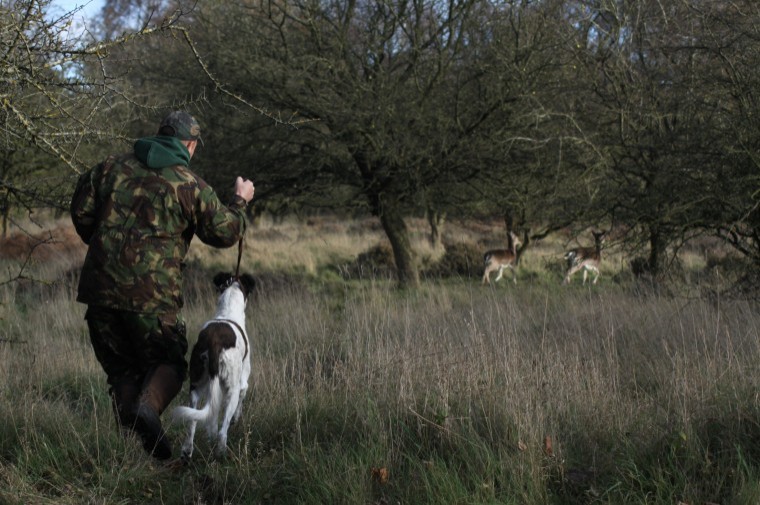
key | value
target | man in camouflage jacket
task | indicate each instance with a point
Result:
(138, 213)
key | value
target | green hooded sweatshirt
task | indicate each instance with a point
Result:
(162, 151)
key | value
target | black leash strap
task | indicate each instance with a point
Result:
(240, 255)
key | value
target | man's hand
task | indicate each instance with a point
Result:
(244, 189)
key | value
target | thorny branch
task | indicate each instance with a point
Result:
(47, 101)
(21, 274)
(56, 95)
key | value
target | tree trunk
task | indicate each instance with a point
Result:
(435, 220)
(656, 250)
(403, 254)
(392, 221)
(5, 212)
(509, 224)
(523, 247)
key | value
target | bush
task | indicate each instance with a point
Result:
(462, 259)
(377, 261)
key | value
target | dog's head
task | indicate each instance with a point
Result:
(223, 280)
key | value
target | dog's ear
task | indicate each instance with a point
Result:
(248, 283)
(221, 279)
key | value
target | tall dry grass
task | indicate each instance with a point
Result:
(455, 393)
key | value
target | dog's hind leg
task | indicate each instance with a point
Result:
(243, 390)
(239, 409)
(232, 407)
(187, 446)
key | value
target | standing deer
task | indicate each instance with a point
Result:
(499, 259)
(586, 258)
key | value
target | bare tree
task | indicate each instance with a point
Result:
(61, 99)
(64, 93)
(417, 105)
(646, 66)
(729, 38)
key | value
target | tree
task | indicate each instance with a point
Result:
(728, 42)
(646, 65)
(59, 100)
(62, 99)
(40, 118)
(411, 105)
(538, 163)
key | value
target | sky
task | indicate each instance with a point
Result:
(89, 9)
(80, 20)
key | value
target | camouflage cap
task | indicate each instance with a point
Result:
(184, 125)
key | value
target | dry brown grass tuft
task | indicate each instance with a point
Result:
(58, 241)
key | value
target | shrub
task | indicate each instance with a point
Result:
(462, 259)
(377, 261)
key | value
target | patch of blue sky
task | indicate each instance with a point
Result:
(74, 21)
(80, 17)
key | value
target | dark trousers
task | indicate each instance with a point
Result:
(129, 345)
(138, 352)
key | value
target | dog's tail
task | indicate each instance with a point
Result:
(207, 413)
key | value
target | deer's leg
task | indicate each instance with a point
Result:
(486, 280)
(501, 271)
(570, 273)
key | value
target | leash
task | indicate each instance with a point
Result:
(240, 255)
(237, 277)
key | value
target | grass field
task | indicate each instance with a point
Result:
(455, 393)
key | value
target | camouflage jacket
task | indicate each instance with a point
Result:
(138, 218)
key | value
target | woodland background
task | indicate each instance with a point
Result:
(634, 115)
(392, 143)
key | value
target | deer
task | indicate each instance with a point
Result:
(499, 259)
(585, 258)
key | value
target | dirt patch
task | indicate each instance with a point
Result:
(54, 243)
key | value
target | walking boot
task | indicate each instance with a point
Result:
(159, 390)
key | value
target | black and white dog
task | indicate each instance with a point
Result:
(220, 365)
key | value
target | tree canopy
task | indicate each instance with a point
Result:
(635, 114)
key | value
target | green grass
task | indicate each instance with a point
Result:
(452, 389)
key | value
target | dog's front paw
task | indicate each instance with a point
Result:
(220, 448)
(220, 451)
(187, 453)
